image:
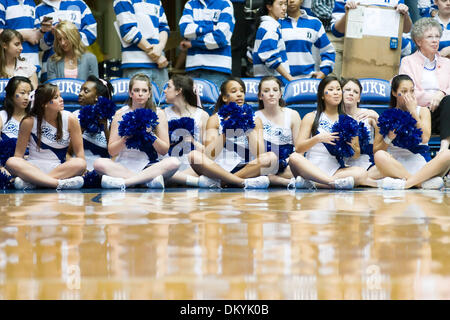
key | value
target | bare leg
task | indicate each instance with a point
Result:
(388, 166)
(300, 166)
(373, 174)
(265, 164)
(30, 173)
(359, 175)
(281, 179)
(438, 166)
(71, 168)
(444, 144)
(180, 178)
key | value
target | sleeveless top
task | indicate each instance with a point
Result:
(10, 129)
(364, 160)
(178, 151)
(278, 139)
(94, 144)
(50, 148)
(325, 125)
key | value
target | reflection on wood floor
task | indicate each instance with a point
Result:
(195, 244)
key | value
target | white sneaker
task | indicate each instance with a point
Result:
(71, 183)
(435, 183)
(109, 182)
(301, 183)
(261, 182)
(19, 184)
(344, 183)
(447, 181)
(156, 183)
(389, 183)
(205, 182)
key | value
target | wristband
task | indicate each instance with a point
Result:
(387, 140)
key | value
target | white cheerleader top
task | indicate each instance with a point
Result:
(10, 129)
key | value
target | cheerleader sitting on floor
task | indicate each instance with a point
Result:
(234, 153)
(281, 126)
(397, 157)
(139, 133)
(187, 126)
(316, 139)
(47, 132)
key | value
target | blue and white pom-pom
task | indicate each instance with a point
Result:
(236, 117)
(7, 149)
(408, 136)
(90, 115)
(92, 180)
(138, 125)
(180, 127)
(5, 181)
(364, 141)
(347, 129)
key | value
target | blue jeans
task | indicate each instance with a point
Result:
(214, 76)
(158, 76)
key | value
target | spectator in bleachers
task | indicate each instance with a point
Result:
(300, 33)
(19, 15)
(70, 60)
(207, 27)
(323, 10)
(443, 17)
(281, 126)
(238, 39)
(144, 32)
(269, 49)
(413, 10)
(338, 23)
(95, 144)
(403, 168)
(233, 157)
(11, 62)
(431, 75)
(187, 127)
(427, 8)
(75, 11)
(320, 168)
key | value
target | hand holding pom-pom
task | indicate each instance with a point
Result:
(7, 149)
(236, 118)
(138, 126)
(94, 119)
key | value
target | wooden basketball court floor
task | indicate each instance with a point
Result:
(226, 244)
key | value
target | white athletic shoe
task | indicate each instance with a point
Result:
(156, 183)
(389, 183)
(447, 181)
(261, 182)
(301, 183)
(19, 184)
(344, 183)
(205, 182)
(435, 183)
(109, 182)
(71, 183)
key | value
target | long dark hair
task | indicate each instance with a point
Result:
(280, 84)
(262, 11)
(186, 85)
(10, 90)
(223, 91)
(102, 90)
(142, 77)
(44, 94)
(395, 83)
(5, 38)
(321, 102)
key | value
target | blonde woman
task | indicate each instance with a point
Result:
(70, 59)
(11, 63)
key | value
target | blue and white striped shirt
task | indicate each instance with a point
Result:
(209, 25)
(75, 11)
(139, 19)
(299, 37)
(445, 39)
(269, 51)
(20, 16)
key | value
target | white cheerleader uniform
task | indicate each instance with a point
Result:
(183, 147)
(136, 160)
(51, 152)
(95, 146)
(363, 161)
(235, 153)
(276, 136)
(412, 162)
(319, 154)
(10, 129)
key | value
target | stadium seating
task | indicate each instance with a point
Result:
(69, 89)
(121, 95)
(301, 95)
(3, 83)
(375, 94)
(251, 91)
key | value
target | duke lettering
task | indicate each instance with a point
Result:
(69, 87)
(374, 87)
(305, 87)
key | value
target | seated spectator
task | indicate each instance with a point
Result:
(269, 49)
(11, 63)
(144, 32)
(431, 75)
(427, 8)
(207, 35)
(300, 33)
(70, 59)
(443, 16)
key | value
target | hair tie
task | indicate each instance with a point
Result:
(199, 101)
(104, 82)
(31, 98)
